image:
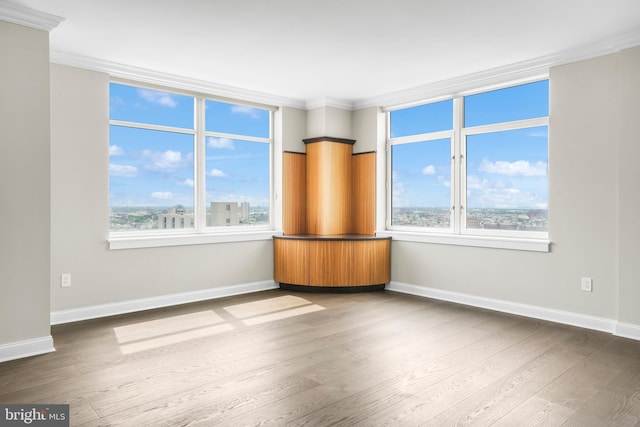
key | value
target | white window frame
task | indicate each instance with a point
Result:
(458, 233)
(201, 233)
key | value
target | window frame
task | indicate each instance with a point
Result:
(458, 233)
(200, 233)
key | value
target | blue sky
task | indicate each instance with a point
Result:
(156, 168)
(505, 169)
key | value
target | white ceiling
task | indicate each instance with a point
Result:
(340, 49)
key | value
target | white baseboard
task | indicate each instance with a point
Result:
(20, 349)
(558, 316)
(39, 346)
(103, 310)
(628, 330)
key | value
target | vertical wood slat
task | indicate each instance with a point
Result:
(294, 189)
(291, 261)
(364, 193)
(371, 264)
(328, 188)
(330, 263)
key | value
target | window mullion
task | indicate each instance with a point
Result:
(200, 190)
(458, 173)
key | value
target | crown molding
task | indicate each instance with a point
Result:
(519, 72)
(18, 14)
(145, 75)
(325, 101)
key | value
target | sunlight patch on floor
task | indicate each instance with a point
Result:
(170, 330)
(269, 310)
(152, 334)
(282, 314)
(176, 338)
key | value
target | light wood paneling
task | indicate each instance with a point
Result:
(371, 262)
(330, 262)
(328, 188)
(291, 261)
(330, 193)
(294, 190)
(364, 194)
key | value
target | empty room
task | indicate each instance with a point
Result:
(296, 212)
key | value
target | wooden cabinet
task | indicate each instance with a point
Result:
(345, 261)
(329, 206)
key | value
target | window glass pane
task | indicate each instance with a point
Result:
(434, 117)
(507, 183)
(421, 184)
(134, 104)
(236, 119)
(237, 182)
(150, 179)
(504, 105)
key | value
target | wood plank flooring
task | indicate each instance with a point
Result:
(296, 359)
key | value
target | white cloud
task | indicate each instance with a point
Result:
(538, 133)
(247, 111)
(485, 193)
(225, 143)
(163, 195)
(187, 182)
(444, 181)
(473, 182)
(429, 170)
(125, 171)
(217, 173)
(507, 198)
(160, 98)
(517, 168)
(164, 160)
(114, 150)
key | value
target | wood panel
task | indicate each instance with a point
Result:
(330, 262)
(371, 262)
(364, 194)
(328, 188)
(294, 189)
(291, 261)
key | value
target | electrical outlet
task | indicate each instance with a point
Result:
(65, 280)
(586, 284)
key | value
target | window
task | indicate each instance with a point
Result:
(188, 163)
(473, 165)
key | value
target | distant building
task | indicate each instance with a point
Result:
(244, 212)
(223, 214)
(176, 217)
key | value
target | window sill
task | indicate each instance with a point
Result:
(156, 241)
(520, 244)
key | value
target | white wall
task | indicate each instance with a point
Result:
(629, 190)
(79, 216)
(593, 128)
(329, 121)
(24, 184)
(294, 129)
(368, 129)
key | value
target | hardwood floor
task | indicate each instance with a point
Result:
(370, 359)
